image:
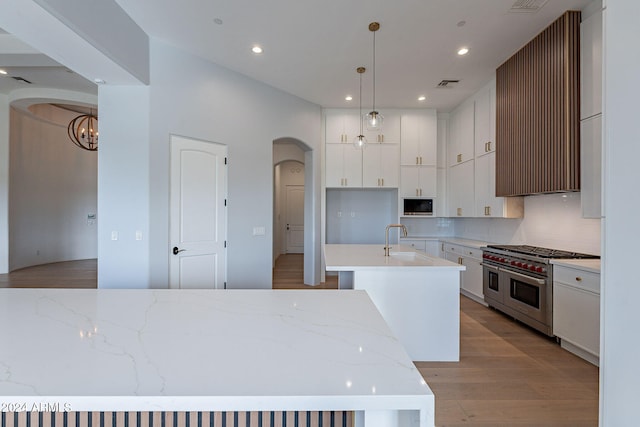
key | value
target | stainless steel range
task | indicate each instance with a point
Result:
(517, 280)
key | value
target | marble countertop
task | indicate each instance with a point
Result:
(345, 257)
(190, 350)
(590, 265)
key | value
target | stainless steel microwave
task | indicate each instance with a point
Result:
(413, 206)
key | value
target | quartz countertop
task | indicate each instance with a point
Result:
(190, 350)
(476, 244)
(590, 265)
(345, 257)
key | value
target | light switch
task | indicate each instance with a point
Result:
(114, 235)
(138, 235)
(258, 231)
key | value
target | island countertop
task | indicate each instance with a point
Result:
(351, 257)
(190, 350)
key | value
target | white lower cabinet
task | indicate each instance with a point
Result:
(471, 278)
(576, 311)
(429, 246)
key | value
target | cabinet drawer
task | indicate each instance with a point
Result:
(415, 244)
(463, 250)
(577, 278)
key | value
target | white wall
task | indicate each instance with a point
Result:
(195, 98)
(123, 187)
(550, 220)
(620, 346)
(4, 184)
(53, 186)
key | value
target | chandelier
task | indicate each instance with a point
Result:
(83, 131)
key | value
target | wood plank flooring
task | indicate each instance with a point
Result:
(81, 274)
(508, 374)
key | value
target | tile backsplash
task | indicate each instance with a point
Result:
(551, 220)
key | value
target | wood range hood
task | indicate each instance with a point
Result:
(538, 113)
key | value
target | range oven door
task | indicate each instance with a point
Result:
(491, 286)
(528, 295)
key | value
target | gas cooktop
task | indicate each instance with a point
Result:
(541, 252)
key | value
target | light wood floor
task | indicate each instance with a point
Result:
(81, 274)
(508, 374)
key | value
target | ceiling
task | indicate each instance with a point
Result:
(312, 47)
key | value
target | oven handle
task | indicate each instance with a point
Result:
(524, 276)
(490, 266)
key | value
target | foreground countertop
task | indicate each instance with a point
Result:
(189, 350)
(339, 257)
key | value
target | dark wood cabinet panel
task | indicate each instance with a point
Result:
(538, 113)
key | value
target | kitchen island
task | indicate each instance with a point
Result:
(205, 350)
(418, 295)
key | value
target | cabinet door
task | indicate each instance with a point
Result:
(390, 132)
(418, 181)
(576, 317)
(591, 66)
(590, 171)
(462, 134)
(380, 165)
(419, 138)
(341, 127)
(343, 166)
(472, 277)
(419, 245)
(485, 120)
(461, 190)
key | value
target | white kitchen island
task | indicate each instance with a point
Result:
(418, 295)
(206, 350)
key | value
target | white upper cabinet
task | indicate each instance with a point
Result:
(390, 132)
(591, 166)
(461, 133)
(485, 120)
(419, 137)
(486, 203)
(418, 181)
(341, 126)
(343, 166)
(380, 165)
(461, 190)
(591, 65)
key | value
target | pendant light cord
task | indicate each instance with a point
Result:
(374, 71)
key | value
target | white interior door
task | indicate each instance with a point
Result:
(198, 220)
(294, 215)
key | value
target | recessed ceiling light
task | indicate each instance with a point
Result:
(463, 51)
(256, 49)
(348, 98)
(3, 72)
(422, 98)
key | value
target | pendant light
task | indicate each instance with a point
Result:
(83, 131)
(374, 118)
(360, 142)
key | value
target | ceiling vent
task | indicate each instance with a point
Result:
(527, 6)
(21, 79)
(447, 83)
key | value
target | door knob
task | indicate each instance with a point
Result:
(176, 251)
(287, 227)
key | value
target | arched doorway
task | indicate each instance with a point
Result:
(293, 167)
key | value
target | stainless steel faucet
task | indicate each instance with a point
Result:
(387, 248)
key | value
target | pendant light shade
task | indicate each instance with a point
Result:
(360, 142)
(374, 119)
